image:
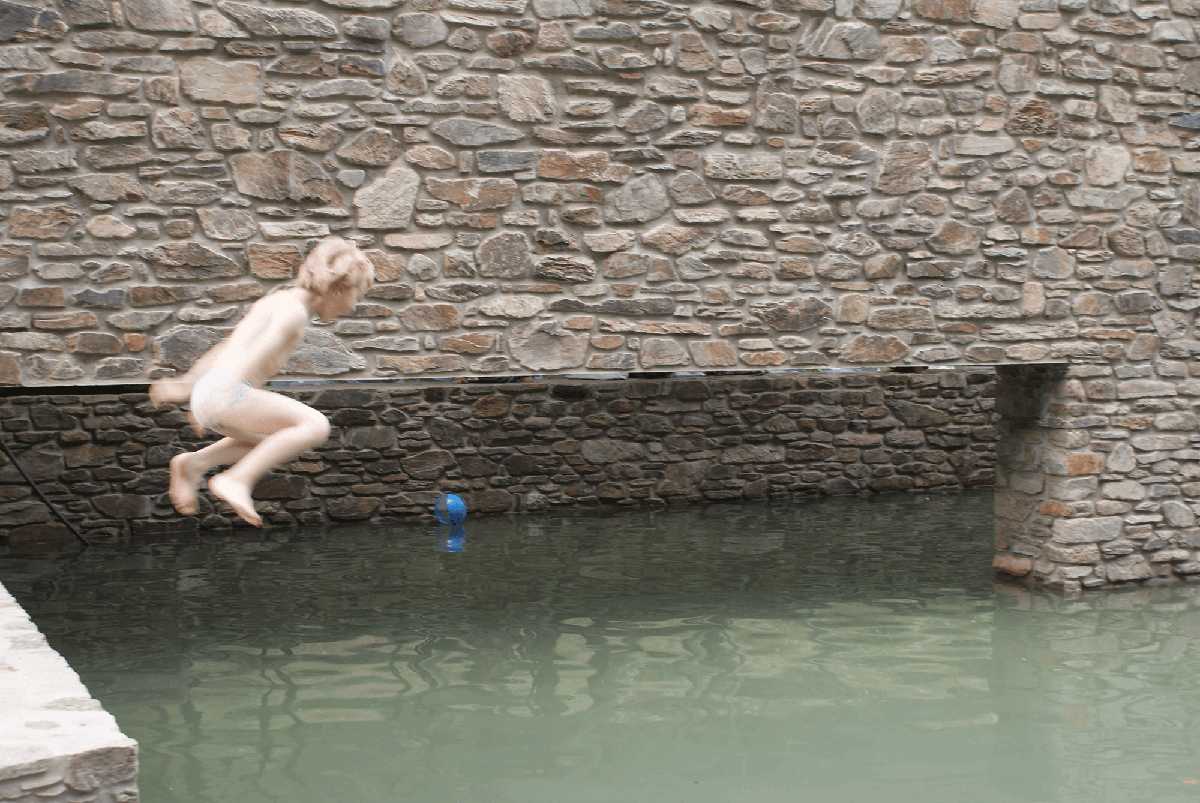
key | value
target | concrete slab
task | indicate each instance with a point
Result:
(56, 741)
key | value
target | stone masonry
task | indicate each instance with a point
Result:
(612, 186)
(56, 743)
(517, 447)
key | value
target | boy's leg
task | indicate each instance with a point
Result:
(189, 467)
(283, 429)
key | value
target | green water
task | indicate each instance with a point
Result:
(840, 651)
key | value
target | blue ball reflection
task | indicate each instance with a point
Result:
(451, 539)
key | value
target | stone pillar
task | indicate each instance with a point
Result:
(1097, 470)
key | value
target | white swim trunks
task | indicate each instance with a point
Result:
(215, 393)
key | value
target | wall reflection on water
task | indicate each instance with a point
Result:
(854, 649)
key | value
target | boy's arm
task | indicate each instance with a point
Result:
(177, 389)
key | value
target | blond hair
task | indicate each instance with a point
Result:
(336, 266)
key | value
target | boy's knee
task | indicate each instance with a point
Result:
(318, 425)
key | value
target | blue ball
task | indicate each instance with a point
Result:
(450, 509)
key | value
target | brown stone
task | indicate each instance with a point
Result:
(1033, 117)
(906, 168)
(874, 348)
(431, 157)
(94, 343)
(1013, 207)
(678, 239)
(312, 137)
(42, 222)
(562, 268)
(283, 176)
(208, 80)
(918, 318)
(14, 261)
(430, 317)
(104, 187)
(474, 194)
(274, 261)
(954, 238)
(795, 315)
(372, 148)
(473, 343)
(593, 166)
(709, 115)
(22, 122)
(1013, 565)
(406, 79)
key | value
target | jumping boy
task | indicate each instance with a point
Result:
(262, 429)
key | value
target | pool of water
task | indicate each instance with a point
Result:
(839, 651)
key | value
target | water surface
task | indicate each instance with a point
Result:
(838, 651)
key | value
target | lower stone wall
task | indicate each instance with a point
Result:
(56, 742)
(517, 447)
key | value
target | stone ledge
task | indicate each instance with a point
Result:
(56, 741)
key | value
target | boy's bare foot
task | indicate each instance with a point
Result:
(238, 497)
(185, 481)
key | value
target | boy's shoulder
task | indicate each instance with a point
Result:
(283, 304)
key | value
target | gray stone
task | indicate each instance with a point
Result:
(181, 346)
(20, 23)
(70, 82)
(1104, 199)
(372, 148)
(19, 57)
(419, 30)
(103, 187)
(506, 161)
(160, 15)
(844, 41)
(321, 353)
(504, 256)
(189, 261)
(272, 22)
(227, 224)
(906, 168)
(877, 111)
(642, 199)
(406, 78)
(387, 202)
(526, 98)
(469, 133)
(177, 128)
(547, 347)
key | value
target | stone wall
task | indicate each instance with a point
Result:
(521, 446)
(601, 185)
(1099, 476)
(56, 742)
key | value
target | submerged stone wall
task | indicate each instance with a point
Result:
(521, 447)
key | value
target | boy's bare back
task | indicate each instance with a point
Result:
(264, 339)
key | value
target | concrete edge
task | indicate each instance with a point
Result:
(57, 743)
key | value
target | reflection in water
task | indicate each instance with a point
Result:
(851, 650)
